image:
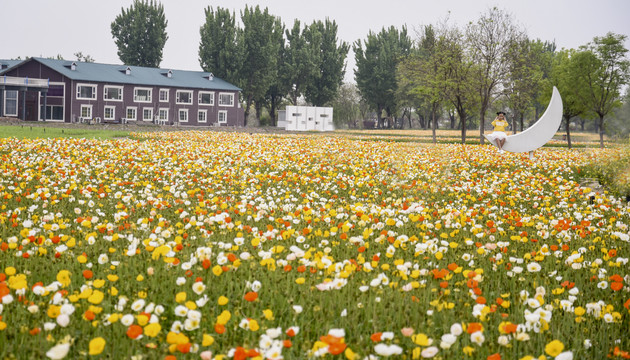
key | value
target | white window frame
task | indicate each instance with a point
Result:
(149, 96)
(179, 115)
(113, 109)
(177, 97)
(162, 91)
(135, 112)
(86, 106)
(105, 92)
(165, 110)
(95, 91)
(224, 113)
(205, 116)
(143, 113)
(51, 112)
(201, 93)
(231, 96)
(17, 98)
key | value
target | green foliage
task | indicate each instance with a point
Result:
(376, 67)
(524, 77)
(348, 107)
(140, 33)
(260, 51)
(570, 82)
(81, 57)
(606, 68)
(219, 50)
(618, 126)
(299, 62)
(613, 173)
(328, 62)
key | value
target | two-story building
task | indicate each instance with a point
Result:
(41, 89)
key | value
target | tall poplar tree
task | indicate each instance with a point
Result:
(140, 33)
(329, 56)
(299, 62)
(377, 58)
(219, 51)
(259, 52)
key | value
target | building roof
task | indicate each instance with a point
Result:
(4, 64)
(138, 75)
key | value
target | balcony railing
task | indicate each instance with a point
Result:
(23, 81)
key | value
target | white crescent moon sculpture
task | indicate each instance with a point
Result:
(540, 133)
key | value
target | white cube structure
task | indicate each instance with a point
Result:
(306, 118)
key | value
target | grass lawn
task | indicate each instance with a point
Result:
(32, 132)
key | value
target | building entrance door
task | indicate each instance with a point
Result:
(31, 106)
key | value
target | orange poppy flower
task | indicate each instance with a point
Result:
(251, 296)
(184, 348)
(616, 286)
(336, 349)
(88, 274)
(219, 329)
(134, 331)
(474, 327)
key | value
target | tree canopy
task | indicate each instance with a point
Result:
(377, 58)
(140, 33)
(219, 51)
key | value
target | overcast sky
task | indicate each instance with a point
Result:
(47, 28)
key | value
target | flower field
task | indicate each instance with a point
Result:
(204, 245)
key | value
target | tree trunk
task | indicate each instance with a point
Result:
(272, 111)
(482, 124)
(452, 117)
(379, 117)
(582, 121)
(410, 127)
(462, 120)
(522, 116)
(433, 125)
(258, 108)
(248, 105)
(568, 123)
(601, 131)
(514, 124)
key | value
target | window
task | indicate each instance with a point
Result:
(222, 117)
(55, 90)
(109, 113)
(183, 115)
(10, 102)
(206, 98)
(86, 111)
(54, 112)
(86, 92)
(113, 93)
(164, 95)
(147, 114)
(163, 114)
(142, 94)
(184, 97)
(202, 116)
(226, 99)
(131, 113)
